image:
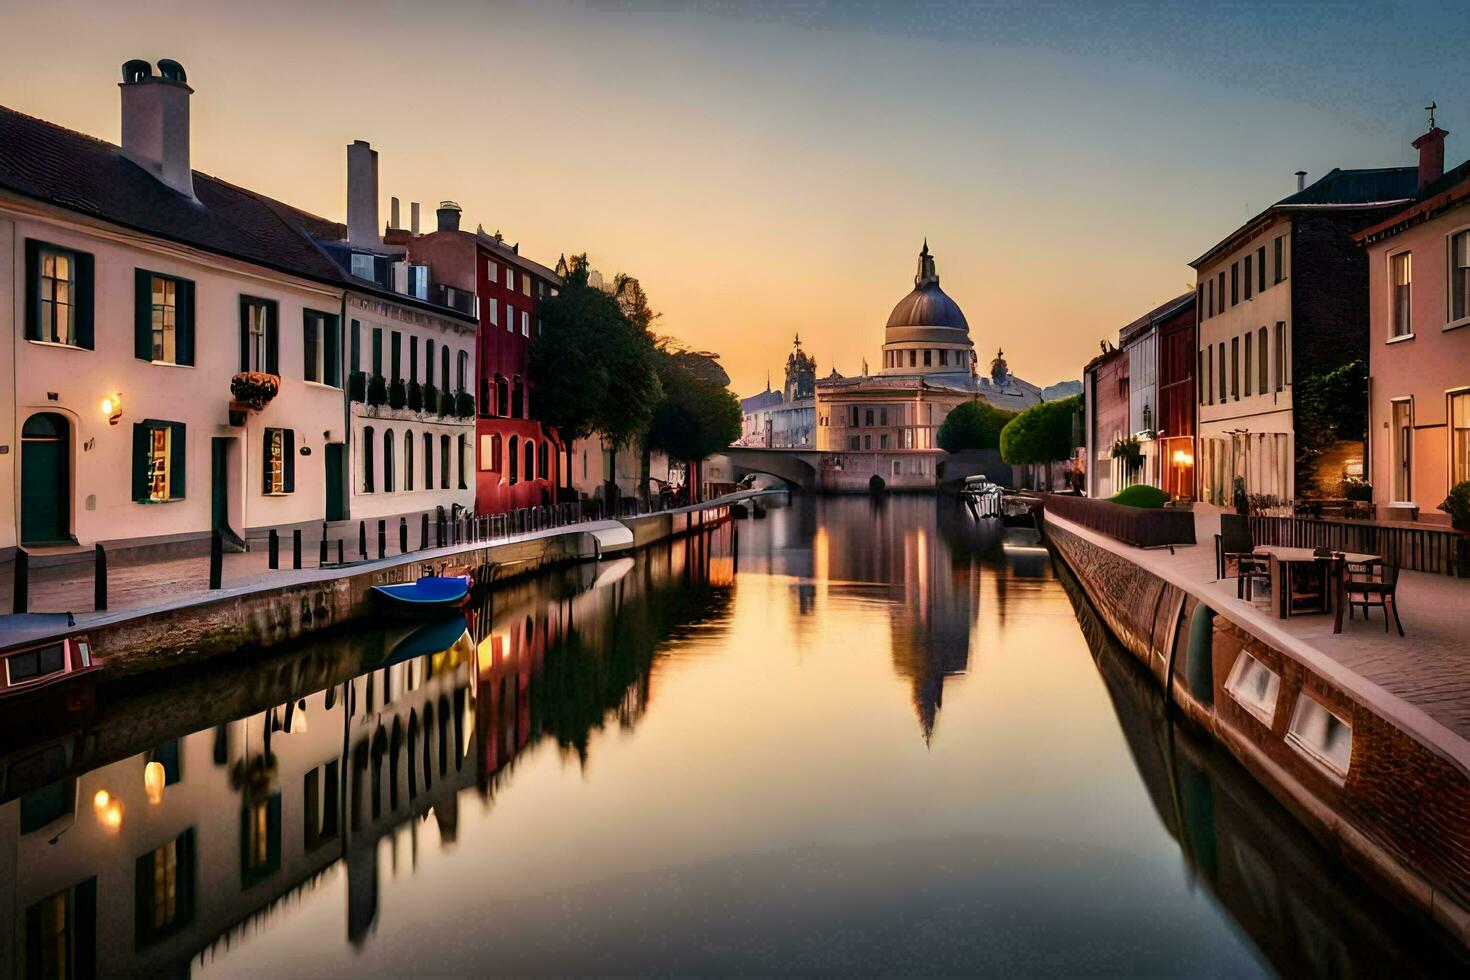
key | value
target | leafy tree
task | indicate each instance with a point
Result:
(973, 425)
(1042, 433)
(1329, 408)
(696, 417)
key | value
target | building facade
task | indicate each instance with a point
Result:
(1284, 298)
(785, 419)
(1419, 344)
(1105, 406)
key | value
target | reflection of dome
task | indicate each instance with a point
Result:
(927, 305)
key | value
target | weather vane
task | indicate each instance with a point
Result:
(1430, 109)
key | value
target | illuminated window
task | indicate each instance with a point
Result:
(58, 297)
(275, 461)
(525, 324)
(1254, 686)
(1402, 272)
(260, 839)
(1460, 437)
(1460, 275)
(158, 463)
(164, 313)
(165, 889)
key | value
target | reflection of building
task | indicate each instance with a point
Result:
(784, 419)
(928, 367)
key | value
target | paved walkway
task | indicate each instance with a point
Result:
(1421, 680)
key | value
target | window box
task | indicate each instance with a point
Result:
(255, 389)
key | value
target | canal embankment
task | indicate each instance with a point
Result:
(1364, 736)
(280, 606)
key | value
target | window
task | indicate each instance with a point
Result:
(502, 395)
(883, 440)
(1280, 355)
(1248, 365)
(1321, 736)
(367, 459)
(462, 371)
(320, 346)
(1261, 269)
(856, 414)
(413, 358)
(443, 367)
(58, 295)
(1200, 374)
(868, 417)
(1234, 283)
(1401, 276)
(388, 483)
(525, 324)
(158, 461)
(363, 267)
(444, 462)
(418, 281)
(927, 355)
(882, 416)
(1209, 378)
(510, 317)
(280, 461)
(1403, 449)
(258, 335)
(492, 271)
(913, 358)
(32, 664)
(1459, 437)
(543, 461)
(163, 325)
(260, 839)
(1210, 293)
(464, 450)
(1220, 291)
(494, 310)
(428, 461)
(513, 456)
(867, 442)
(510, 279)
(319, 821)
(1222, 373)
(355, 358)
(61, 933)
(1254, 686)
(525, 284)
(1235, 368)
(396, 356)
(1460, 275)
(854, 443)
(487, 452)
(165, 889)
(408, 460)
(1263, 375)
(429, 363)
(1249, 279)
(1278, 248)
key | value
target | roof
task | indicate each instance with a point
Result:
(760, 402)
(1153, 316)
(89, 176)
(928, 306)
(1337, 189)
(1451, 190)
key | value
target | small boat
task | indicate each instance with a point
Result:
(428, 595)
(47, 686)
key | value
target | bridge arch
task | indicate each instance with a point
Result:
(796, 467)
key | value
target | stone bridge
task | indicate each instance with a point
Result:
(799, 468)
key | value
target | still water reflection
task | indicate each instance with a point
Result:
(876, 740)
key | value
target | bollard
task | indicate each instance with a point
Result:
(296, 547)
(339, 552)
(274, 558)
(403, 535)
(99, 579)
(322, 558)
(362, 538)
(424, 531)
(439, 532)
(216, 559)
(22, 601)
(382, 538)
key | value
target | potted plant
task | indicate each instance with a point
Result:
(1457, 505)
(1130, 452)
(1238, 496)
(255, 389)
(431, 398)
(357, 386)
(377, 390)
(415, 397)
(446, 403)
(464, 405)
(397, 394)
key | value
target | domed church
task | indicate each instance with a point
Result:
(929, 365)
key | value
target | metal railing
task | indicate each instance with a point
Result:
(1409, 547)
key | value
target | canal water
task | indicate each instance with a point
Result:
(850, 736)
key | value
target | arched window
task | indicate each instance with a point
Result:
(428, 461)
(515, 468)
(367, 459)
(515, 397)
(444, 462)
(387, 460)
(502, 395)
(485, 411)
(542, 460)
(462, 369)
(530, 450)
(408, 460)
(495, 448)
(444, 366)
(464, 451)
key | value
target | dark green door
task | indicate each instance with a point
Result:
(336, 481)
(45, 484)
(219, 484)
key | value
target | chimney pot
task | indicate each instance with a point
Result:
(155, 121)
(1431, 156)
(1301, 180)
(393, 212)
(413, 217)
(362, 195)
(448, 216)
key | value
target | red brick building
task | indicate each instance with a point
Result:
(517, 457)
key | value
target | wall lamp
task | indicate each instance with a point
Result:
(112, 407)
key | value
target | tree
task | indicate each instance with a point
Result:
(1042, 433)
(697, 416)
(973, 425)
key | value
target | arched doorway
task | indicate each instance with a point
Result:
(45, 479)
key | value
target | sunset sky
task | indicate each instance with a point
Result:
(767, 170)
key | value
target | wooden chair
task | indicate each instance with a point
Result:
(1235, 557)
(1369, 586)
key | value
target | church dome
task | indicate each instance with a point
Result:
(928, 305)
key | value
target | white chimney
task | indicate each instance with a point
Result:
(413, 217)
(362, 195)
(393, 213)
(155, 121)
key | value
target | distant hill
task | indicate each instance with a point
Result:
(1062, 389)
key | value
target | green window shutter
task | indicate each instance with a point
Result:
(332, 328)
(378, 350)
(272, 338)
(288, 453)
(85, 268)
(184, 884)
(141, 432)
(354, 362)
(143, 314)
(265, 461)
(244, 334)
(33, 289)
(143, 899)
(184, 322)
(177, 470)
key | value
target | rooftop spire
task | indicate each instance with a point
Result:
(926, 272)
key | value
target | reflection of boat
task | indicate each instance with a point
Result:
(610, 571)
(48, 686)
(429, 594)
(431, 638)
(982, 496)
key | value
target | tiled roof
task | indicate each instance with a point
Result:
(1358, 187)
(49, 163)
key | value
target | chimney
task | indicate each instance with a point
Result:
(413, 217)
(1431, 154)
(448, 216)
(392, 212)
(362, 195)
(1301, 180)
(155, 121)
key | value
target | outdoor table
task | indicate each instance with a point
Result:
(1284, 560)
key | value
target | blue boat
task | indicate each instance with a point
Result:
(428, 595)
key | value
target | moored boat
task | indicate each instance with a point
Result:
(429, 595)
(47, 686)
